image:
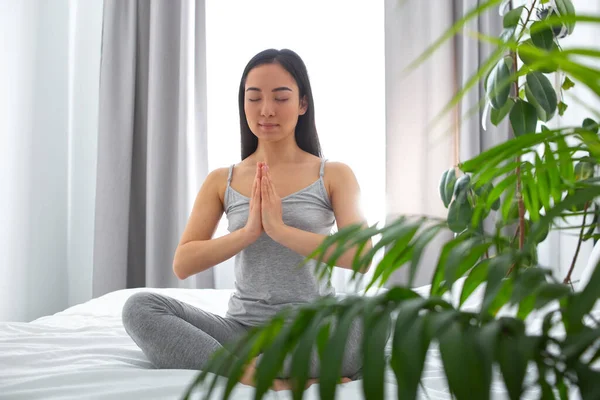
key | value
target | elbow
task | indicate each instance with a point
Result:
(178, 269)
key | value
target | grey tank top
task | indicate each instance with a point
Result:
(267, 277)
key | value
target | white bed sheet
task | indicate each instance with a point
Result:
(85, 353)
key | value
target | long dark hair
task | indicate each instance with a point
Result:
(306, 130)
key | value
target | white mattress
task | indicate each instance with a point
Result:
(85, 353)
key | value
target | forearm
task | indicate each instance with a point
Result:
(199, 255)
(305, 243)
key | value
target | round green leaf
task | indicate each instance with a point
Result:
(564, 8)
(524, 53)
(459, 216)
(498, 84)
(523, 118)
(496, 116)
(447, 186)
(541, 95)
(462, 183)
(542, 35)
(512, 17)
(590, 125)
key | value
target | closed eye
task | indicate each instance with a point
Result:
(281, 100)
(253, 100)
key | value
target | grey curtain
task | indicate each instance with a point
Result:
(151, 149)
(418, 151)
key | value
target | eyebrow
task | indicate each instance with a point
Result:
(278, 89)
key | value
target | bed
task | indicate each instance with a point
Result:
(84, 352)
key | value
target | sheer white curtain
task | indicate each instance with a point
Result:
(342, 44)
(48, 111)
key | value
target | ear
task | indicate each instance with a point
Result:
(303, 106)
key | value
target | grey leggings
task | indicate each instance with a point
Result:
(174, 334)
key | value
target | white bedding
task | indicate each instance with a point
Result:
(85, 353)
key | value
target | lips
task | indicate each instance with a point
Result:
(267, 125)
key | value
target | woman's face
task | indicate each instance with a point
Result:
(272, 102)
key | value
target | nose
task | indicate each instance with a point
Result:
(267, 109)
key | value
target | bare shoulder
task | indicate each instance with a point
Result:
(338, 172)
(339, 178)
(216, 181)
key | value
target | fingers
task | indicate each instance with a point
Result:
(256, 185)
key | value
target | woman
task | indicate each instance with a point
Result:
(281, 201)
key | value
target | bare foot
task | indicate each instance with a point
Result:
(278, 384)
(248, 375)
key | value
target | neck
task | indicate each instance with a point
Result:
(280, 152)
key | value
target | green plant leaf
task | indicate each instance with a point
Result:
(565, 8)
(498, 84)
(562, 107)
(541, 95)
(462, 185)
(475, 278)
(419, 245)
(588, 381)
(496, 116)
(462, 258)
(583, 170)
(523, 118)
(574, 345)
(484, 193)
(553, 170)
(464, 367)
(542, 36)
(398, 250)
(565, 161)
(581, 303)
(302, 355)
(447, 186)
(376, 329)
(512, 355)
(567, 84)
(526, 282)
(527, 54)
(274, 354)
(543, 181)
(459, 216)
(331, 364)
(590, 125)
(502, 296)
(497, 270)
(410, 346)
(512, 17)
(439, 273)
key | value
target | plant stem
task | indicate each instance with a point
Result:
(568, 277)
(519, 192)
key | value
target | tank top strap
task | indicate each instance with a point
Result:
(322, 171)
(230, 174)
